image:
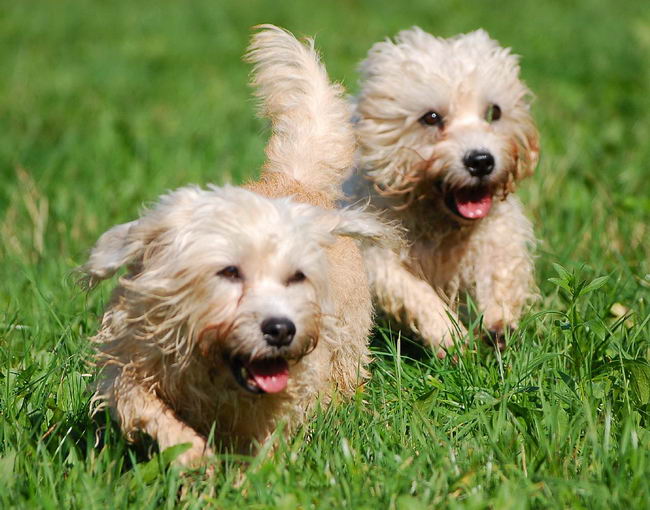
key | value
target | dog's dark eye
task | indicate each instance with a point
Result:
(493, 113)
(431, 119)
(230, 272)
(297, 277)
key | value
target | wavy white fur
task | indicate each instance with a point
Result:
(412, 166)
(313, 140)
(205, 268)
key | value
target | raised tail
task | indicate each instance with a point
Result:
(312, 139)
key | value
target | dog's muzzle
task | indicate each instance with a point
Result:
(278, 331)
(479, 163)
(269, 375)
(470, 203)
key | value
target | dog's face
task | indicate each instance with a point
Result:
(269, 293)
(229, 276)
(445, 119)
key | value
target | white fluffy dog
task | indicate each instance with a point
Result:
(239, 308)
(445, 134)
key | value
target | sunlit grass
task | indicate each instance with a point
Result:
(105, 105)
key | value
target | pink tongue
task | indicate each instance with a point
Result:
(271, 375)
(473, 203)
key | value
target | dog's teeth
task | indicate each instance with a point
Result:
(246, 376)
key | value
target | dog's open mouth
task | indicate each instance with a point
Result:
(470, 203)
(261, 376)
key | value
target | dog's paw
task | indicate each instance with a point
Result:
(445, 338)
(196, 455)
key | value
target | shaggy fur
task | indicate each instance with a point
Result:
(425, 104)
(207, 267)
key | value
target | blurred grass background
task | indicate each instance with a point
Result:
(105, 105)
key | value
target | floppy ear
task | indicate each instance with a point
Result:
(115, 248)
(528, 153)
(349, 222)
(367, 227)
(125, 243)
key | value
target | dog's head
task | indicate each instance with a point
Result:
(447, 119)
(224, 274)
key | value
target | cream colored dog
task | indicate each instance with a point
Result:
(239, 308)
(445, 134)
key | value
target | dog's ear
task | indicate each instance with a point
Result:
(114, 249)
(366, 227)
(129, 242)
(352, 222)
(528, 150)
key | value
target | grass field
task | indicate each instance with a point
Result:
(104, 105)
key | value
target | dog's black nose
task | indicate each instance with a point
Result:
(278, 331)
(479, 163)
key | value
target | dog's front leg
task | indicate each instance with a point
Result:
(504, 276)
(140, 410)
(411, 300)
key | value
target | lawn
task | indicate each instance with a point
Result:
(105, 105)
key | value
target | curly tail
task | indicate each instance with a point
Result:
(312, 139)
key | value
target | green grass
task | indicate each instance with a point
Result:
(104, 105)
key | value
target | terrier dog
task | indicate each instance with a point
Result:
(445, 134)
(242, 308)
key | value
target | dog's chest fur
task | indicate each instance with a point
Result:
(209, 397)
(443, 252)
